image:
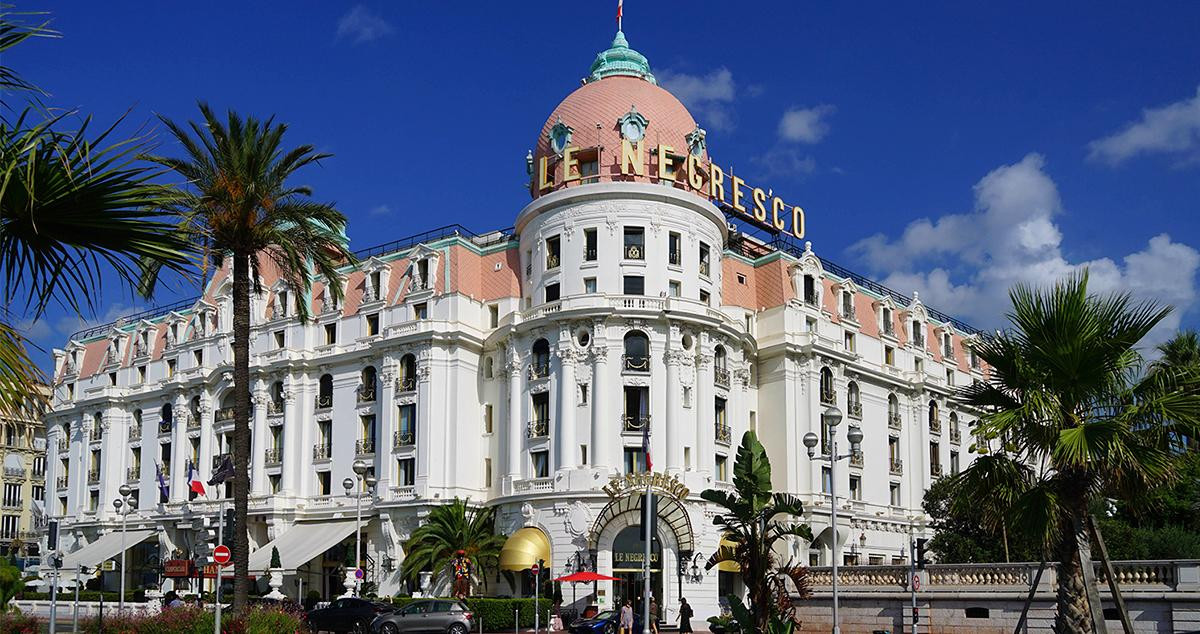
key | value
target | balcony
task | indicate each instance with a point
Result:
(133, 474)
(948, 354)
(935, 425)
(274, 455)
(848, 312)
(193, 422)
(935, 469)
(856, 459)
(810, 299)
(894, 420)
(94, 434)
(321, 451)
(323, 401)
(537, 429)
(854, 409)
(674, 258)
(889, 329)
(955, 436)
(828, 397)
(897, 467)
(221, 415)
(635, 423)
(539, 370)
(364, 447)
(62, 481)
(38, 474)
(217, 461)
(723, 434)
(721, 377)
(406, 383)
(635, 363)
(93, 476)
(634, 252)
(589, 255)
(552, 261)
(704, 267)
(135, 433)
(14, 472)
(403, 438)
(275, 407)
(366, 393)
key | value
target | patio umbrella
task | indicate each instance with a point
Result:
(585, 576)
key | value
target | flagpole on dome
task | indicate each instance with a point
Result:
(620, 7)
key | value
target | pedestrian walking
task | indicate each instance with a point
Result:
(653, 615)
(627, 618)
(685, 615)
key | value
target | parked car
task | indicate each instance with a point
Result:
(430, 615)
(346, 615)
(606, 622)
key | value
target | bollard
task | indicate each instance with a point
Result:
(516, 620)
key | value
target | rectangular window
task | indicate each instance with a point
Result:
(847, 305)
(704, 259)
(886, 322)
(583, 393)
(366, 426)
(635, 285)
(674, 249)
(552, 292)
(754, 421)
(589, 245)
(950, 378)
(687, 458)
(721, 466)
(112, 378)
(38, 493)
(323, 483)
(826, 480)
(541, 463)
(487, 418)
(280, 339)
(583, 457)
(487, 473)
(855, 488)
(848, 341)
(675, 289)
(420, 311)
(935, 458)
(94, 501)
(377, 285)
(407, 425)
(637, 407)
(330, 334)
(635, 243)
(275, 482)
(541, 409)
(372, 324)
(70, 391)
(493, 316)
(953, 463)
(918, 365)
(894, 493)
(894, 449)
(589, 285)
(406, 472)
(704, 297)
(889, 355)
(198, 357)
(552, 252)
(635, 460)
(719, 416)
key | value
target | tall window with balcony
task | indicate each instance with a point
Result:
(322, 449)
(722, 431)
(828, 395)
(886, 322)
(366, 435)
(368, 384)
(325, 392)
(406, 429)
(406, 381)
(935, 459)
(637, 352)
(894, 418)
(720, 366)
(275, 451)
(705, 260)
(539, 427)
(375, 285)
(853, 401)
(539, 367)
(637, 408)
(674, 249)
(590, 245)
(948, 347)
(895, 462)
(406, 472)
(918, 334)
(553, 252)
(848, 311)
(275, 407)
(635, 243)
(810, 290)
(935, 420)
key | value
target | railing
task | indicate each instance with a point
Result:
(639, 302)
(537, 429)
(539, 370)
(222, 414)
(896, 467)
(674, 258)
(849, 313)
(275, 407)
(860, 576)
(364, 447)
(955, 435)
(635, 423)
(635, 363)
(403, 438)
(14, 472)
(828, 397)
(704, 267)
(93, 476)
(723, 434)
(552, 260)
(135, 432)
(534, 484)
(62, 481)
(404, 491)
(589, 255)
(935, 469)
(324, 401)
(193, 422)
(854, 409)
(810, 299)
(721, 377)
(321, 451)
(634, 252)
(407, 383)
(95, 434)
(856, 459)
(273, 455)
(366, 393)
(948, 353)
(133, 474)
(38, 474)
(889, 328)
(935, 425)
(894, 420)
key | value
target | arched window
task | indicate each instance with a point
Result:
(637, 352)
(489, 368)
(893, 411)
(955, 432)
(276, 398)
(194, 406)
(166, 418)
(828, 396)
(541, 359)
(97, 425)
(407, 381)
(367, 384)
(137, 417)
(853, 401)
(935, 421)
(720, 366)
(720, 358)
(325, 392)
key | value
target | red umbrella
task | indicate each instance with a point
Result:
(585, 576)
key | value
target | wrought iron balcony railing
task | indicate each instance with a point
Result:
(537, 429)
(856, 459)
(723, 434)
(674, 258)
(935, 425)
(955, 435)
(539, 370)
(321, 451)
(93, 476)
(721, 377)
(552, 261)
(364, 447)
(828, 397)
(273, 455)
(635, 252)
(635, 363)
(897, 467)
(406, 383)
(366, 393)
(222, 414)
(705, 267)
(894, 420)
(854, 409)
(635, 423)
(323, 401)
(62, 481)
(133, 474)
(935, 469)
(403, 438)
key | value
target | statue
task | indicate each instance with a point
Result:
(462, 574)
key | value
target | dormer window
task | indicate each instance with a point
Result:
(281, 304)
(947, 345)
(375, 285)
(886, 321)
(847, 304)
(422, 281)
(918, 333)
(810, 290)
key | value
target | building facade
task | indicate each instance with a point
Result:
(523, 369)
(22, 507)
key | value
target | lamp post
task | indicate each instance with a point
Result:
(360, 471)
(122, 506)
(831, 418)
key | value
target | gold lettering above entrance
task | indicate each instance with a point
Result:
(632, 483)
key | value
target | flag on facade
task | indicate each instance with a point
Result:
(162, 482)
(646, 445)
(223, 472)
(194, 483)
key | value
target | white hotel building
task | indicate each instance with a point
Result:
(517, 369)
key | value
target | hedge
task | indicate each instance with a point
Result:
(497, 614)
(68, 594)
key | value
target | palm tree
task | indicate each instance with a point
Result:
(1078, 419)
(756, 521)
(449, 529)
(1181, 351)
(238, 203)
(74, 205)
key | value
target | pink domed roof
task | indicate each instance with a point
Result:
(592, 111)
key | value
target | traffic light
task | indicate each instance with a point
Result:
(208, 538)
(52, 535)
(227, 533)
(921, 560)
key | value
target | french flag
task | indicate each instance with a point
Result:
(194, 483)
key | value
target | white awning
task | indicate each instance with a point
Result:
(302, 542)
(106, 547)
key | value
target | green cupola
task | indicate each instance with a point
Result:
(620, 60)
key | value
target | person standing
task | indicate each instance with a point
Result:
(685, 616)
(627, 618)
(653, 615)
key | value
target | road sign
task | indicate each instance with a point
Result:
(221, 554)
(109, 565)
(359, 574)
(916, 582)
(535, 569)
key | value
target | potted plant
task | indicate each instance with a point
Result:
(276, 576)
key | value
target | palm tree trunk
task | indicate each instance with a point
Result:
(1074, 610)
(241, 427)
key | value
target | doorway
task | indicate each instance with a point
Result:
(629, 553)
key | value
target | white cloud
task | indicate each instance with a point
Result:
(709, 97)
(964, 264)
(805, 125)
(379, 210)
(1170, 129)
(361, 25)
(783, 162)
(71, 324)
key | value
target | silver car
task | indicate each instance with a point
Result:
(429, 615)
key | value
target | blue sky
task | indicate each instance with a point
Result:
(951, 148)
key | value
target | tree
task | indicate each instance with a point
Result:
(237, 202)
(73, 206)
(966, 534)
(757, 521)
(1079, 420)
(1181, 351)
(449, 529)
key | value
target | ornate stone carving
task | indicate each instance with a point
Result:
(539, 387)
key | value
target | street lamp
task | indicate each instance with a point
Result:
(123, 506)
(360, 470)
(692, 573)
(831, 418)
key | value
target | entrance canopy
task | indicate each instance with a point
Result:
(302, 542)
(104, 548)
(524, 548)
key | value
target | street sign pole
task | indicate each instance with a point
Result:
(220, 535)
(912, 581)
(54, 593)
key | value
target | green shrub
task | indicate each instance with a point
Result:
(67, 594)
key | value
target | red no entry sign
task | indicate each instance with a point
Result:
(535, 569)
(221, 554)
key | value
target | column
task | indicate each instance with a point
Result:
(179, 453)
(106, 466)
(387, 415)
(261, 439)
(673, 437)
(208, 440)
(705, 434)
(564, 433)
(77, 482)
(515, 426)
(604, 425)
(295, 453)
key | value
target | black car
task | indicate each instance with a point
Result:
(346, 615)
(607, 622)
